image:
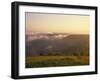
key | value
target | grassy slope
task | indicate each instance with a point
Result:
(53, 61)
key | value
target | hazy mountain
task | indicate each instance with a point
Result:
(51, 36)
(56, 43)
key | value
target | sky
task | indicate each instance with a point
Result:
(56, 23)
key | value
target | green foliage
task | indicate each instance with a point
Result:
(53, 61)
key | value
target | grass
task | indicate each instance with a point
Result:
(54, 61)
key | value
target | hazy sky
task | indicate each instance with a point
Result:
(57, 23)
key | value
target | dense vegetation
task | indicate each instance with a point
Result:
(53, 61)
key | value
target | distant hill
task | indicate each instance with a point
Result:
(57, 44)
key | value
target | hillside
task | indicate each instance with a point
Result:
(57, 44)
